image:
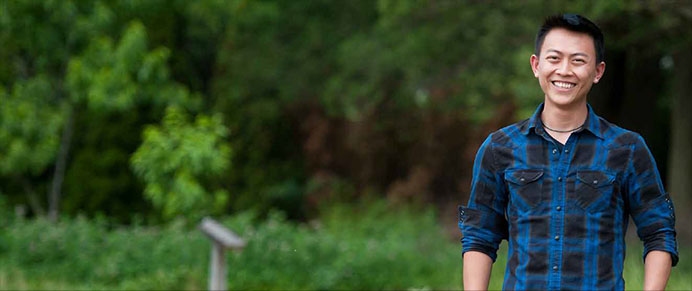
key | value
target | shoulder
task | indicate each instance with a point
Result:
(620, 140)
(616, 136)
(509, 136)
(499, 147)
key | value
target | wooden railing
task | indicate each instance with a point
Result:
(222, 239)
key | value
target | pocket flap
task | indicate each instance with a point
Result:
(595, 178)
(522, 177)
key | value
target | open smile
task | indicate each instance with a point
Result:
(563, 84)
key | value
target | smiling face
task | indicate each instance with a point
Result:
(566, 68)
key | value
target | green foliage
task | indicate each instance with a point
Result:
(379, 95)
(345, 250)
(179, 160)
(100, 166)
(29, 127)
(417, 51)
(370, 246)
(90, 60)
(116, 78)
(375, 247)
(88, 252)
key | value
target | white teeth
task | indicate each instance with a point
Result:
(563, 84)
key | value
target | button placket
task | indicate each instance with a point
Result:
(561, 166)
(560, 169)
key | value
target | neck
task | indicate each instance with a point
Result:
(564, 118)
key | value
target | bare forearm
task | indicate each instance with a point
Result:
(657, 265)
(477, 268)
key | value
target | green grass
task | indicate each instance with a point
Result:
(368, 247)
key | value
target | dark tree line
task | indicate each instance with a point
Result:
(157, 109)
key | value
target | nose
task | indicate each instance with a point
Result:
(564, 68)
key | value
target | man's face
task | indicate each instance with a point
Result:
(566, 68)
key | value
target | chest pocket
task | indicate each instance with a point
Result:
(525, 188)
(593, 190)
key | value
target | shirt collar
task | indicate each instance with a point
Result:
(591, 124)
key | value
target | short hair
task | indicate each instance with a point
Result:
(573, 22)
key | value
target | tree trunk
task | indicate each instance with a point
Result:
(33, 199)
(680, 157)
(59, 173)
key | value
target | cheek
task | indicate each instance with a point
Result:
(588, 76)
(542, 75)
(543, 82)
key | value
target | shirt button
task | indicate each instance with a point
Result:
(566, 151)
(554, 151)
(557, 237)
(554, 268)
(595, 182)
(558, 208)
(559, 179)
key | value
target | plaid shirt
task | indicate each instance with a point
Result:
(564, 209)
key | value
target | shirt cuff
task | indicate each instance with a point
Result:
(673, 254)
(489, 251)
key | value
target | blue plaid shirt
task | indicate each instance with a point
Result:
(564, 209)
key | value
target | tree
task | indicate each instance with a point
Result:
(29, 134)
(181, 162)
(69, 69)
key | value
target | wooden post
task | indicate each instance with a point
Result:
(217, 268)
(222, 239)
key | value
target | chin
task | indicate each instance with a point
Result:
(562, 100)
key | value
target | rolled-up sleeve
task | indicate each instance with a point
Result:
(482, 222)
(650, 206)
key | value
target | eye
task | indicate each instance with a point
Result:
(552, 58)
(580, 61)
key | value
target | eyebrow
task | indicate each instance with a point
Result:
(572, 55)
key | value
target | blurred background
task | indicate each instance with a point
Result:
(336, 137)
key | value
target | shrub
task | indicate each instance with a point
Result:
(366, 246)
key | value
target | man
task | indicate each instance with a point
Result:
(561, 186)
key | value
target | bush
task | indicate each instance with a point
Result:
(376, 247)
(372, 248)
(88, 252)
(369, 247)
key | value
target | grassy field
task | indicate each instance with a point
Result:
(373, 247)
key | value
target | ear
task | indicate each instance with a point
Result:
(534, 65)
(600, 69)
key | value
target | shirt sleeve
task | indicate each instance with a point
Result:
(650, 206)
(482, 223)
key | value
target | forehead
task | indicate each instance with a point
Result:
(568, 42)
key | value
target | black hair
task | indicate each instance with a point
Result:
(573, 22)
